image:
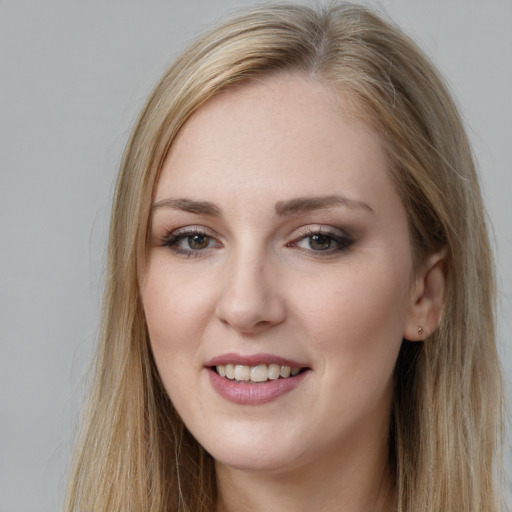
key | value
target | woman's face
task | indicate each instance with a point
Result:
(278, 245)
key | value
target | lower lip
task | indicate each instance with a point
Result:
(253, 393)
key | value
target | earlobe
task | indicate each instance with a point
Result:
(426, 301)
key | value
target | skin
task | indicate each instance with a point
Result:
(340, 304)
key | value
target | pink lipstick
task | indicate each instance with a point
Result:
(255, 379)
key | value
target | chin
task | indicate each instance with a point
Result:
(256, 454)
(257, 462)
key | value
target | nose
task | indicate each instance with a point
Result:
(251, 300)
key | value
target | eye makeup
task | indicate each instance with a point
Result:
(322, 240)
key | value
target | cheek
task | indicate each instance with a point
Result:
(176, 312)
(358, 334)
(356, 318)
(175, 315)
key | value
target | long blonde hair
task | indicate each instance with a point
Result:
(134, 453)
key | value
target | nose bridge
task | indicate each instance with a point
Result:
(250, 300)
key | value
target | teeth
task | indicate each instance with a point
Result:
(230, 371)
(259, 373)
(274, 370)
(242, 372)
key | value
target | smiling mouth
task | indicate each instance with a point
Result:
(258, 374)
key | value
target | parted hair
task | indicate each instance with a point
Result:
(133, 451)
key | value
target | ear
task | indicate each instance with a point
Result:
(426, 301)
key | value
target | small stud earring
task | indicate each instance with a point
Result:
(420, 330)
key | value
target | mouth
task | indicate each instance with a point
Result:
(255, 379)
(257, 374)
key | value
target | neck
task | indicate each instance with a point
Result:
(358, 481)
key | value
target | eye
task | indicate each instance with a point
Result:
(197, 241)
(190, 241)
(322, 241)
(319, 242)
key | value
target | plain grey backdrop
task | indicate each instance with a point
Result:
(73, 76)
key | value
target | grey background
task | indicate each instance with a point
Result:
(73, 76)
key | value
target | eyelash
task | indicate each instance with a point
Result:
(338, 242)
(173, 239)
(341, 240)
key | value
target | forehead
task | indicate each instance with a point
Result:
(276, 101)
(286, 129)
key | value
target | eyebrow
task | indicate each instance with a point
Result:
(283, 208)
(188, 205)
(312, 203)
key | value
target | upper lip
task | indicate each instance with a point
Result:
(253, 360)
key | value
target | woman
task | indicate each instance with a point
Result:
(299, 310)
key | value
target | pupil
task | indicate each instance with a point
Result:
(198, 241)
(320, 242)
